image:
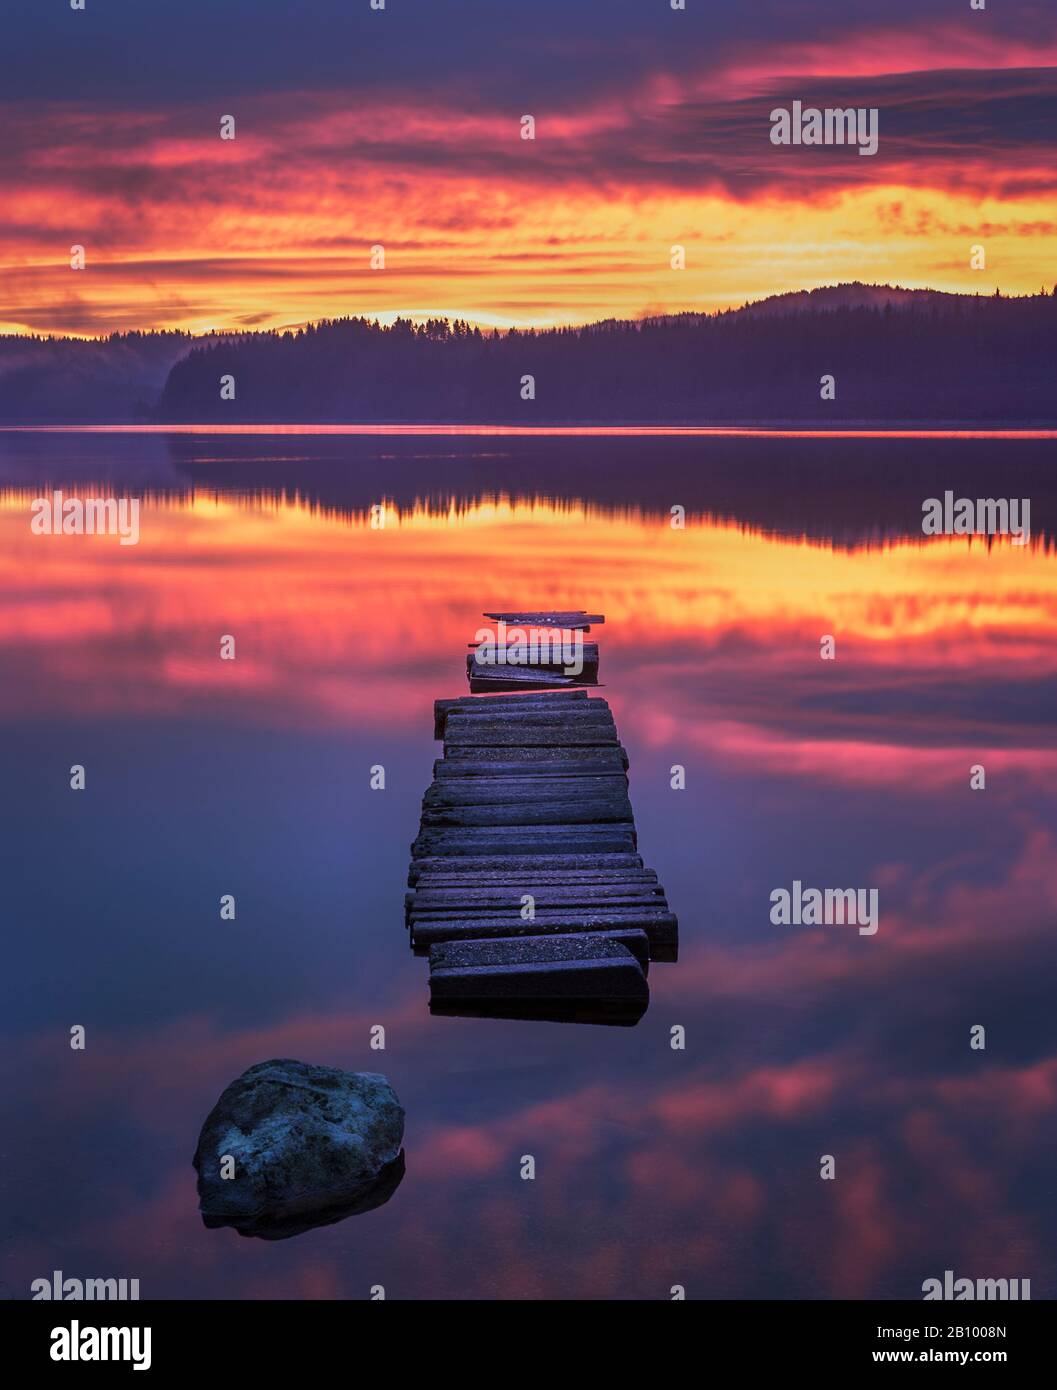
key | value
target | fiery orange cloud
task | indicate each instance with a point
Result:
(184, 230)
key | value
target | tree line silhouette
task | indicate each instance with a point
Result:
(972, 358)
(928, 356)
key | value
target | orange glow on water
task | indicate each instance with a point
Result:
(343, 624)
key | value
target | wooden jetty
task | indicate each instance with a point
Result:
(560, 661)
(526, 888)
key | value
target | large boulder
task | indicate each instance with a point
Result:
(311, 1145)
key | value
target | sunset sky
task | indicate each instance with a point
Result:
(402, 128)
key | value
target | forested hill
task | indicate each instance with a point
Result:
(893, 354)
(974, 359)
(116, 379)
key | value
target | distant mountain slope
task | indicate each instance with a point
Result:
(941, 358)
(830, 298)
(894, 354)
(115, 379)
(856, 295)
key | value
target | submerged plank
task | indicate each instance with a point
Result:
(601, 1012)
(587, 967)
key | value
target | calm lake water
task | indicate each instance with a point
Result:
(654, 1167)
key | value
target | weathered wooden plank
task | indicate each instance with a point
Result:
(520, 614)
(661, 930)
(554, 649)
(480, 951)
(495, 665)
(463, 764)
(515, 840)
(605, 914)
(526, 859)
(570, 619)
(499, 712)
(542, 893)
(585, 967)
(596, 811)
(529, 721)
(454, 910)
(560, 697)
(423, 906)
(464, 895)
(548, 646)
(534, 834)
(587, 774)
(426, 904)
(546, 669)
(530, 881)
(458, 731)
(521, 699)
(519, 706)
(521, 839)
(485, 734)
(466, 841)
(552, 774)
(515, 863)
(534, 753)
(494, 712)
(527, 679)
(488, 791)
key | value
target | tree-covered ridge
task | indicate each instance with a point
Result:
(967, 358)
(893, 354)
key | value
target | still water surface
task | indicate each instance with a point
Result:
(654, 1167)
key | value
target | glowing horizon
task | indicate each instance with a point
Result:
(651, 136)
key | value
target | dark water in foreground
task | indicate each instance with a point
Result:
(654, 1167)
